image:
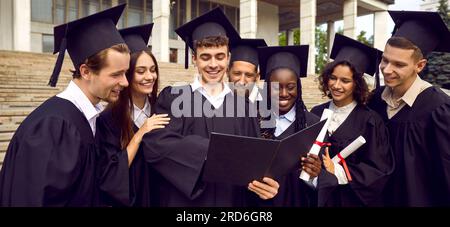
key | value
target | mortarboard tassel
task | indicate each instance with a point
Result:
(377, 74)
(59, 62)
(377, 78)
(186, 54)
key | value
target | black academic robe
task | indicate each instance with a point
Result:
(122, 185)
(419, 137)
(51, 159)
(369, 166)
(293, 191)
(178, 152)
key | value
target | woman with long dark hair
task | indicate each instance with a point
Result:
(124, 123)
(359, 180)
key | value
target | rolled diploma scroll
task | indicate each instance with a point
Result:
(352, 147)
(315, 149)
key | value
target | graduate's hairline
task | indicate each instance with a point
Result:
(405, 44)
(99, 61)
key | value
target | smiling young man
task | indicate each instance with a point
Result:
(178, 152)
(417, 114)
(51, 159)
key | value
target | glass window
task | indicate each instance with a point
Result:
(203, 7)
(230, 12)
(135, 12)
(41, 11)
(60, 12)
(173, 20)
(194, 5)
(121, 23)
(106, 4)
(47, 43)
(173, 58)
(149, 11)
(72, 14)
(90, 7)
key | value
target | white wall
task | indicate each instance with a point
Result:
(268, 23)
(6, 25)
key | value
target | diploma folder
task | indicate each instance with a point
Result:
(239, 160)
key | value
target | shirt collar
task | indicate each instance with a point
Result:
(255, 95)
(290, 115)
(410, 95)
(197, 85)
(146, 110)
(77, 96)
(344, 109)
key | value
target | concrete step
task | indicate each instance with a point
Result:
(3, 147)
(12, 119)
(8, 128)
(6, 136)
(12, 112)
(2, 157)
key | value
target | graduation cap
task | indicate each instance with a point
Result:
(364, 58)
(212, 23)
(446, 86)
(426, 30)
(291, 57)
(239, 160)
(85, 37)
(137, 37)
(246, 50)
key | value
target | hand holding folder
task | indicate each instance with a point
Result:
(239, 160)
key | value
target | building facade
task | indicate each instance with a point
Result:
(27, 25)
(431, 5)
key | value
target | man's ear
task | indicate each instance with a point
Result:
(420, 65)
(194, 59)
(258, 77)
(85, 72)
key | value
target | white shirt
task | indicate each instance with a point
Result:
(339, 116)
(410, 96)
(217, 100)
(75, 95)
(255, 95)
(284, 121)
(140, 115)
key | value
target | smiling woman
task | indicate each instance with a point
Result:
(361, 183)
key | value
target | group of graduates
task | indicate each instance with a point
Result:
(139, 152)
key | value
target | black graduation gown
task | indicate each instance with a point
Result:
(178, 152)
(51, 159)
(369, 166)
(293, 191)
(419, 137)
(122, 185)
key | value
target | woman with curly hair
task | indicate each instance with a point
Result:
(359, 180)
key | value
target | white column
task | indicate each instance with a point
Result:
(248, 21)
(188, 10)
(6, 25)
(350, 14)
(22, 25)
(160, 34)
(308, 30)
(268, 23)
(330, 37)
(380, 29)
(290, 37)
(114, 3)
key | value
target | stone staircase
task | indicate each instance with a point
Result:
(24, 77)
